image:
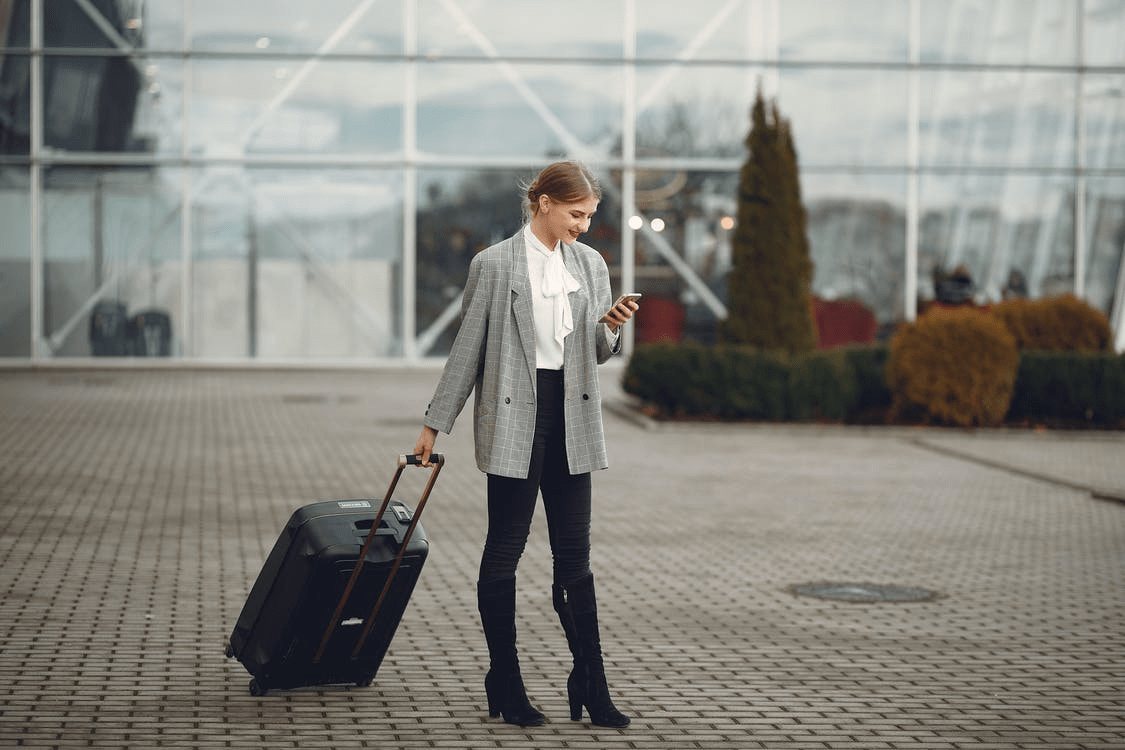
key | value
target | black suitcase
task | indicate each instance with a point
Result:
(109, 334)
(332, 591)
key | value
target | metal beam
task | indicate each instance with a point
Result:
(913, 141)
(35, 178)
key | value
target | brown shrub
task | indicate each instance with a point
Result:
(953, 366)
(1057, 324)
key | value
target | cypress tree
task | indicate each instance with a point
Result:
(769, 299)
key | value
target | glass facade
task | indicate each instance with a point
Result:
(292, 181)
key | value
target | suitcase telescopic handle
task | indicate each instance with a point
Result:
(438, 460)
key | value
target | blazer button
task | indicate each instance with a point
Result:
(508, 400)
(585, 396)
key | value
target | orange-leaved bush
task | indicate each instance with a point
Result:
(1058, 324)
(953, 366)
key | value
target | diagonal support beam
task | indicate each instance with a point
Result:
(572, 143)
(690, 52)
(306, 68)
(111, 33)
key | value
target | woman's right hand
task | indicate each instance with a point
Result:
(425, 445)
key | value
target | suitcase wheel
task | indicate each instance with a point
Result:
(257, 688)
(230, 651)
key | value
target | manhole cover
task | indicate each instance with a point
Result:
(864, 592)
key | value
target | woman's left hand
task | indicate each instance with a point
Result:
(619, 315)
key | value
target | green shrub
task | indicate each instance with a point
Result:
(873, 398)
(822, 386)
(1070, 389)
(1059, 324)
(752, 384)
(675, 379)
(953, 366)
(724, 382)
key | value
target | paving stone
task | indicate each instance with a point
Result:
(139, 505)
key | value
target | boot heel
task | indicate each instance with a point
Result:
(575, 707)
(493, 702)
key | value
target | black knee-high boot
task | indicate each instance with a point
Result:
(503, 684)
(578, 612)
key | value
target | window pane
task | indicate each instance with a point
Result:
(860, 30)
(15, 104)
(1104, 109)
(516, 28)
(683, 250)
(297, 27)
(15, 264)
(1105, 237)
(296, 106)
(67, 24)
(1009, 232)
(999, 31)
(846, 116)
(1104, 31)
(111, 237)
(296, 263)
(158, 126)
(474, 109)
(997, 118)
(163, 26)
(700, 111)
(92, 103)
(857, 239)
(15, 25)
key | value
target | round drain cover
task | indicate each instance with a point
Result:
(863, 592)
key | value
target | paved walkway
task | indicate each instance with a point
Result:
(138, 507)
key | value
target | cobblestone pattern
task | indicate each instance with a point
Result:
(138, 507)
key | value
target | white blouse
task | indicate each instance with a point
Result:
(551, 285)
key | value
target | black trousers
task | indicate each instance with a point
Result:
(566, 499)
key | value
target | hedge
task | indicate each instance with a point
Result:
(848, 384)
(1070, 389)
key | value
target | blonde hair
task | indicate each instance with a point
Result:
(562, 182)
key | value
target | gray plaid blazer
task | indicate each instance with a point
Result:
(494, 352)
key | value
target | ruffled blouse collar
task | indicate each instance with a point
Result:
(556, 284)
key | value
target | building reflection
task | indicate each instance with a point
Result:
(261, 181)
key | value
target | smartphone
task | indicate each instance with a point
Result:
(634, 296)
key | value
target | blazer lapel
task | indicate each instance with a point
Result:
(521, 301)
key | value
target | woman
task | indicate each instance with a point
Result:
(532, 334)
